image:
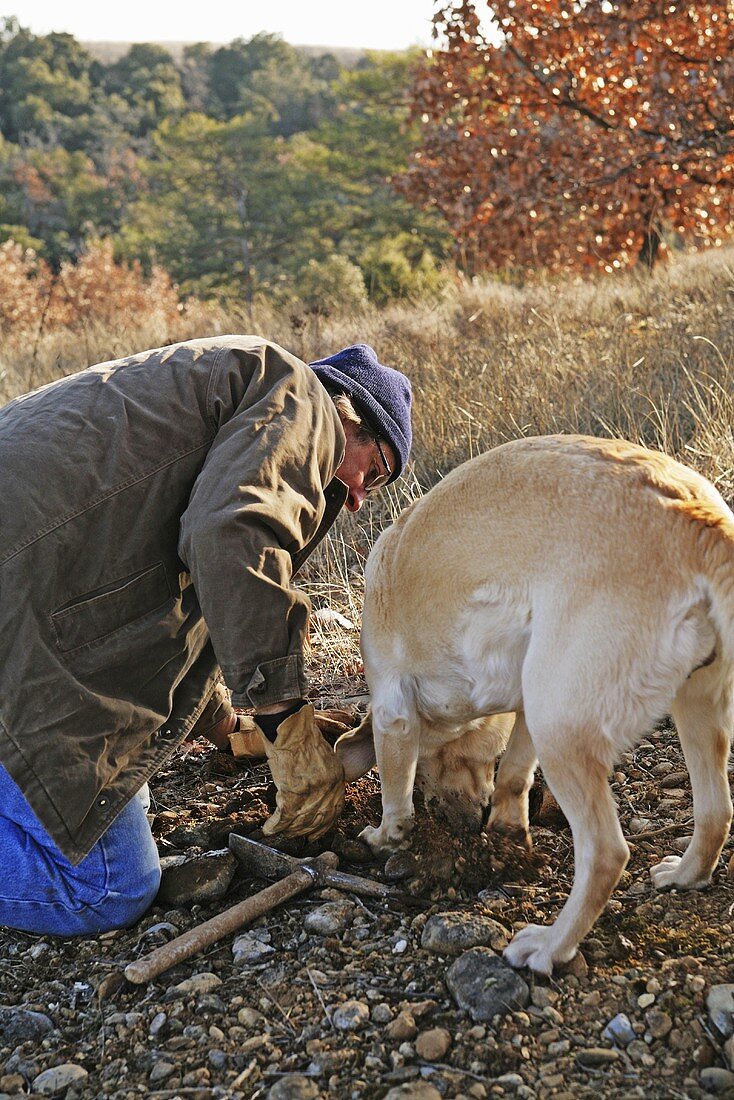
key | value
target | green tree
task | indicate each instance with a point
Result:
(331, 285)
(44, 81)
(147, 79)
(244, 75)
(228, 207)
(369, 142)
(232, 67)
(52, 95)
(195, 76)
(58, 196)
(283, 171)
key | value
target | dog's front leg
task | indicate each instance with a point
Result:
(514, 779)
(396, 746)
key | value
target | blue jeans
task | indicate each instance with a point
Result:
(40, 891)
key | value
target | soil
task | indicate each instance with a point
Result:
(273, 1027)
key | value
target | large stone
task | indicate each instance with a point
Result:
(208, 835)
(197, 984)
(329, 919)
(720, 1005)
(350, 1016)
(403, 1027)
(433, 1044)
(188, 879)
(401, 865)
(452, 933)
(658, 1023)
(485, 986)
(248, 949)
(294, 1087)
(413, 1090)
(717, 1080)
(596, 1056)
(161, 1071)
(59, 1078)
(18, 1025)
(620, 1030)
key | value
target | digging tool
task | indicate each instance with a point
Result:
(266, 862)
(301, 877)
(294, 877)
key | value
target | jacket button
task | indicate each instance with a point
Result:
(167, 733)
(102, 802)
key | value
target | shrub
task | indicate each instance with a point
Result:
(400, 267)
(96, 290)
(331, 286)
(25, 283)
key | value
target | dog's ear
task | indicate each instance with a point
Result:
(356, 750)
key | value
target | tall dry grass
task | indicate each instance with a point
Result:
(647, 358)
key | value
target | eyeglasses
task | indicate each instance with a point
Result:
(379, 479)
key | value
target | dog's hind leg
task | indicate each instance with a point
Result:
(561, 705)
(703, 712)
(514, 779)
(579, 783)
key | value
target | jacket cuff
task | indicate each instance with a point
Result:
(273, 682)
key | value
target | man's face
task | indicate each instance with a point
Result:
(363, 464)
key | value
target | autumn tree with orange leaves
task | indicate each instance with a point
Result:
(572, 135)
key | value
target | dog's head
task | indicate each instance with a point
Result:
(457, 775)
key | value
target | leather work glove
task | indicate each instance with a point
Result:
(248, 741)
(308, 775)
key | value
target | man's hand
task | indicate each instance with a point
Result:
(309, 777)
(248, 741)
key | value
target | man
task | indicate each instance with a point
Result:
(152, 513)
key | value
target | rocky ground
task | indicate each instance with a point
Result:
(342, 996)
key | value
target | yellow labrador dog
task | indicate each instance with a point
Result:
(587, 586)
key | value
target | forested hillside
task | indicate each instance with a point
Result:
(249, 169)
(534, 138)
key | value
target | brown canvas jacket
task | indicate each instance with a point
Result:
(152, 512)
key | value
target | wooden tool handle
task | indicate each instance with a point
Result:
(203, 935)
(367, 887)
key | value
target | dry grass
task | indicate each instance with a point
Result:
(651, 359)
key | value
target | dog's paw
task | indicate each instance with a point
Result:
(672, 874)
(533, 947)
(510, 831)
(384, 838)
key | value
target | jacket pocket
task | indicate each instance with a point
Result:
(97, 614)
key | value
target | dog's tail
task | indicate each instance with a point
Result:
(712, 528)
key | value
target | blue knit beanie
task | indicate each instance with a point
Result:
(380, 393)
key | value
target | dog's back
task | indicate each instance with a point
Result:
(569, 502)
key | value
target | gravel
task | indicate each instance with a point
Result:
(347, 998)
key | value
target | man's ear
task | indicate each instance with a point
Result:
(351, 430)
